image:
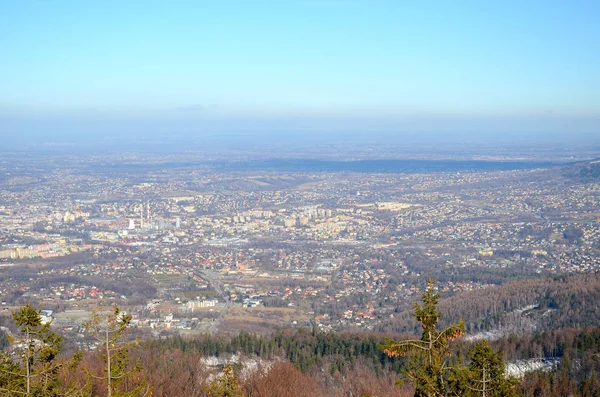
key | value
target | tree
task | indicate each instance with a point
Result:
(34, 369)
(108, 329)
(485, 375)
(225, 384)
(12, 378)
(428, 369)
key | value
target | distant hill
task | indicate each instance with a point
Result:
(584, 169)
(521, 306)
(380, 166)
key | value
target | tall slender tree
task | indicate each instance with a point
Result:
(109, 330)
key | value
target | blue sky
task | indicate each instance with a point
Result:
(429, 61)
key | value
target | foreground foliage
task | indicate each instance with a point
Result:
(108, 330)
(33, 368)
(433, 373)
(300, 363)
(485, 375)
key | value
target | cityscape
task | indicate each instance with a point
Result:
(196, 250)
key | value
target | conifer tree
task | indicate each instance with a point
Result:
(225, 385)
(428, 370)
(485, 375)
(108, 329)
(33, 369)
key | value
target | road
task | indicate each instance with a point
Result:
(214, 280)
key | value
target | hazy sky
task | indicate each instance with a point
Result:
(430, 61)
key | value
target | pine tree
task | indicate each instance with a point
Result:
(225, 385)
(12, 377)
(428, 369)
(34, 368)
(109, 329)
(485, 375)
